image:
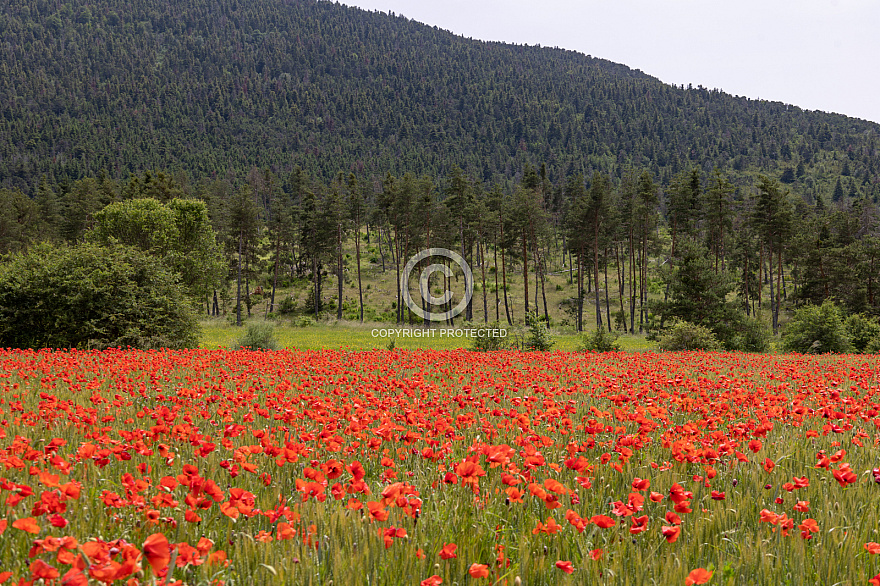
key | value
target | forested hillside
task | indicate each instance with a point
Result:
(202, 87)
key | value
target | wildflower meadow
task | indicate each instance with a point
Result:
(212, 467)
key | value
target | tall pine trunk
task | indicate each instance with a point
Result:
(607, 302)
(339, 271)
(596, 270)
(483, 272)
(275, 278)
(621, 282)
(357, 249)
(525, 272)
(497, 301)
(238, 280)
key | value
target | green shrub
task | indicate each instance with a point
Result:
(746, 334)
(682, 335)
(861, 329)
(538, 336)
(258, 337)
(873, 346)
(91, 296)
(816, 329)
(304, 321)
(486, 340)
(287, 305)
(600, 340)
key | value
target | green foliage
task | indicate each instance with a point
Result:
(304, 321)
(20, 221)
(287, 306)
(179, 233)
(599, 341)
(698, 295)
(683, 336)
(817, 329)
(744, 333)
(861, 329)
(873, 346)
(142, 223)
(486, 340)
(259, 336)
(89, 296)
(538, 334)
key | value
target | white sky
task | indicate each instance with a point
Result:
(816, 54)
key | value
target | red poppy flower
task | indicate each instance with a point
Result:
(670, 533)
(28, 525)
(157, 551)
(602, 521)
(639, 524)
(698, 576)
(565, 566)
(448, 551)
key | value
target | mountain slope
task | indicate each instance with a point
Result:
(208, 85)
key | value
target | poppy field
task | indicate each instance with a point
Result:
(438, 467)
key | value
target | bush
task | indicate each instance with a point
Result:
(287, 306)
(90, 296)
(816, 329)
(599, 341)
(538, 337)
(682, 335)
(746, 334)
(304, 321)
(258, 337)
(861, 330)
(873, 346)
(488, 342)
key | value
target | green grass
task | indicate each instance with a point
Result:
(217, 333)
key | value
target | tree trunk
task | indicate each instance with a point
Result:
(760, 274)
(497, 301)
(632, 278)
(607, 302)
(544, 295)
(504, 282)
(621, 283)
(357, 250)
(770, 282)
(238, 280)
(525, 272)
(483, 272)
(778, 288)
(275, 278)
(596, 271)
(339, 271)
(316, 279)
(580, 292)
(399, 292)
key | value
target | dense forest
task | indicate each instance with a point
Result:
(629, 255)
(204, 87)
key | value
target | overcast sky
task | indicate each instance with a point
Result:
(816, 54)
